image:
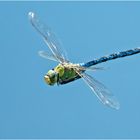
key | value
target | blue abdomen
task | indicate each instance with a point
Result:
(112, 56)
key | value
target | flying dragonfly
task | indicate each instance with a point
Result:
(66, 71)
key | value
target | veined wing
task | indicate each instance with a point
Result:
(48, 36)
(100, 91)
(47, 56)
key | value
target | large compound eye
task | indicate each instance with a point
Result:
(51, 77)
(51, 74)
(47, 80)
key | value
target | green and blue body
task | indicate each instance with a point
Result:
(65, 73)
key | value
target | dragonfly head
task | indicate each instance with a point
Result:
(51, 77)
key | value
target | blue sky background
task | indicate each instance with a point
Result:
(31, 109)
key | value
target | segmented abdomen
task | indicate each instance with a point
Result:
(112, 56)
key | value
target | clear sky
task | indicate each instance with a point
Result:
(31, 109)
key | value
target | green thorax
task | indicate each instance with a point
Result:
(66, 72)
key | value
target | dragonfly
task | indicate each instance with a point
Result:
(66, 71)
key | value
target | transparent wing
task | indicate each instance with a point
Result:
(47, 56)
(49, 37)
(100, 91)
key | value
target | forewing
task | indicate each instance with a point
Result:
(48, 36)
(100, 91)
(46, 55)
